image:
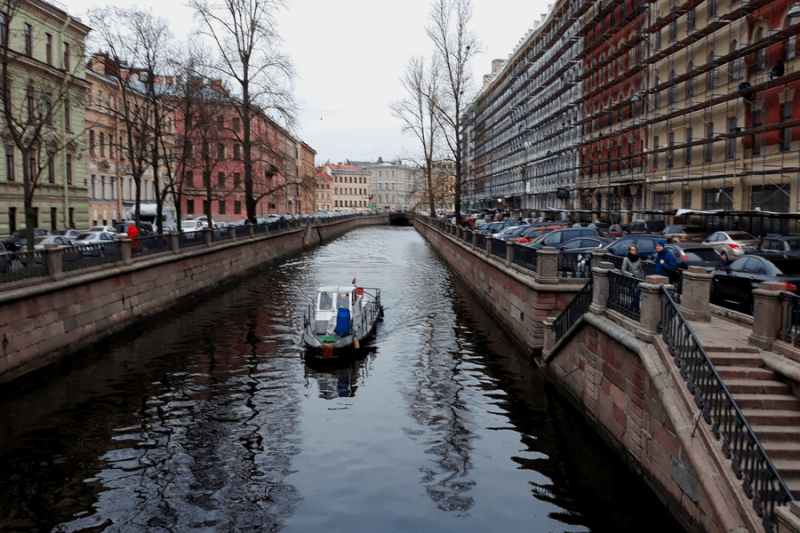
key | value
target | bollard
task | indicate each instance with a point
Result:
(598, 256)
(487, 248)
(208, 236)
(125, 251)
(547, 265)
(175, 242)
(509, 252)
(252, 230)
(696, 297)
(600, 287)
(549, 336)
(54, 264)
(232, 233)
(766, 314)
(649, 307)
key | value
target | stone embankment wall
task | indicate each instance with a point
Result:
(628, 389)
(42, 322)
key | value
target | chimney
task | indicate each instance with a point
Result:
(216, 85)
(497, 65)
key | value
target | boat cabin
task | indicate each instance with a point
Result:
(330, 300)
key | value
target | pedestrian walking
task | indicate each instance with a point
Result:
(665, 263)
(632, 264)
(133, 235)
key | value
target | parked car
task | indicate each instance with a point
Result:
(105, 229)
(732, 244)
(645, 226)
(191, 226)
(645, 244)
(39, 243)
(538, 230)
(494, 227)
(583, 244)
(734, 284)
(512, 233)
(17, 239)
(97, 243)
(788, 244)
(685, 233)
(70, 233)
(702, 255)
(559, 236)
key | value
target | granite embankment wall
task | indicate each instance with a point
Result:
(41, 323)
(628, 389)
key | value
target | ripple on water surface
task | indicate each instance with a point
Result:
(211, 419)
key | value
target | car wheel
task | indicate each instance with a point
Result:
(725, 257)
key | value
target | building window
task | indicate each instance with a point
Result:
(237, 178)
(691, 19)
(786, 133)
(220, 151)
(206, 181)
(12, 219)
(655, 155)
(94, 186)
(190, 207)
(67, 116)
(3, 29)
(730, 148)
(9, 164)
(49, 48)
(221, 180)
(687, 199)
(51, 168)
(236, 152)
(758, 138)
(237, 207)
(66, 56)
(102, 144)
(690, 82)
(220, 123)
(28, 40)
(235, 124)
(689, 147)
(121, 150)
(53, 218)
(103, 187)
(205, 206)
(712, 8)
(710, 146)
(222, 207)
(69, 169)
(188, 178)
(761, 55)
(30, 102)
(91, 142)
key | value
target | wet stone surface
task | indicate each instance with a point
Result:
(211, 419)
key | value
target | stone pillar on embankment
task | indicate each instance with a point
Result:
(619, 374)
(44, 319)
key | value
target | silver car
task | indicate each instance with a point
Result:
(732, 245)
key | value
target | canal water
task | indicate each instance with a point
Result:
(210, 419)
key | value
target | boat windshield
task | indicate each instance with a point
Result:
(343, 301)
(325, 301)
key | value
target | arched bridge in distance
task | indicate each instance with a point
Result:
(399, 219)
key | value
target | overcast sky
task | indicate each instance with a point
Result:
(349, 55)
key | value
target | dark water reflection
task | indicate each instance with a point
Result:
(211, 420)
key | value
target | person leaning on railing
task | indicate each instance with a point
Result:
(632, 265)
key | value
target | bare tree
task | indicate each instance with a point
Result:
(454, 45)
(246, 37)
(137, 42)
(418, 113)
(31, 106)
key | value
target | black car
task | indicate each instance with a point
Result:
(702, 255)
(17, 239)
(735, 284)
(645, 245)
(787, 244)
(645, 226)
(584, 244)
(559, 236)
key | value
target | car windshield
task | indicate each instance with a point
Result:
(87, 237)
(692, 229)
(325, 301)
(39, 240)
(188, 225)
(343, 301)
(742, 236)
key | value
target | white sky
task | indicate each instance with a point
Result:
(349, 56)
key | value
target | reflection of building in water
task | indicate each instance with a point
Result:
(335, 379)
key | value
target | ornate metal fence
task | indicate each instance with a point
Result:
(260, 228)
(574, 265)
(480, 240)
(243, 231)
(89, 256)
(151, 244)
(221, 234)
(525, 257)
(16, 266)
(193, 238)
(623, 294)
(760, 479)
(576, 309)
(498, 248)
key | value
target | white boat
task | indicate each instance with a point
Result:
(341, 318)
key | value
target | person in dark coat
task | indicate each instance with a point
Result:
(665, 263)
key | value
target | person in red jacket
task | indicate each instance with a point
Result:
(133, 234)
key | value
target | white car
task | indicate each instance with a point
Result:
(97, 243)
(190, 226)
(104, 229)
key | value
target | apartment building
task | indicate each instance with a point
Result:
(351, 185)
(324, 188)
(661, 109)
(44, 47)
(394, 185)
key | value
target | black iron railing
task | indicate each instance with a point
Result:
(749, 462)
(498, 248)
(150, 244)
(221, 234)
(575, 310)
(273, 227)
(243, 231)
(574, 265)
(623, 294)
(191, 238)
(790, 321)
(480, 241)
(89, 255)
(526, 257)
(16, 266)
(260, 228)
